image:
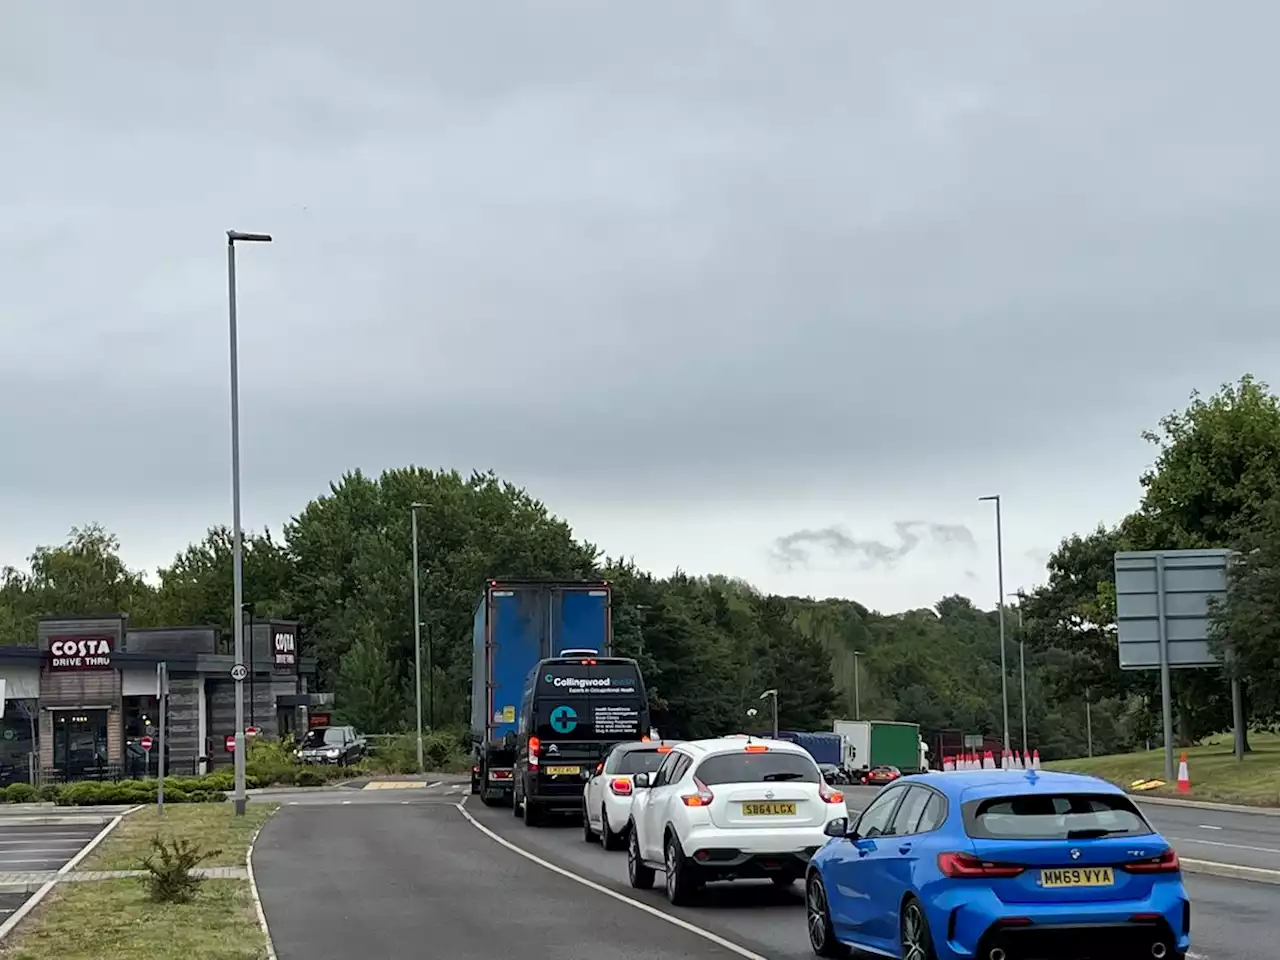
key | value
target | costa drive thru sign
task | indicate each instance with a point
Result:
(80, 653)
(284, 648)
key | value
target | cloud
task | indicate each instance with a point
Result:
(797, 549)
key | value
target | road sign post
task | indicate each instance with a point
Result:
(162, 693)
(1162, 621)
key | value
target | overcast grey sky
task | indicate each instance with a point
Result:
(769, 289)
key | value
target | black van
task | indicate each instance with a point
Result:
(575, 707)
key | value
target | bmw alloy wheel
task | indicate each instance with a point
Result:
(817, 904)
(915, 934)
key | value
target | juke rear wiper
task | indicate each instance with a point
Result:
(774, 777)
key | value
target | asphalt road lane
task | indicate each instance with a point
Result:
(1231, 920)
(27, 847)
(1251, 839)
(388, 881)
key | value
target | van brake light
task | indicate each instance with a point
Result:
(534, 746)
(702, 798)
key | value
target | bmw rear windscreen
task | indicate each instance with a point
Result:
(590, 702)
(1063, 816)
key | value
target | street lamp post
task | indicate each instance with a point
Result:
(237, 549)
(857, 695)
(772, 695)
(1004, 674)
(417, 634)
(1022, 668)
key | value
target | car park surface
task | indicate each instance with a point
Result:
(27, 847)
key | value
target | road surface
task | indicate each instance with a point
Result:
(393, 878)
(403, 882)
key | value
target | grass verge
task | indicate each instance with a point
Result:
(212, 825)
(114, 920)
(1215, 773)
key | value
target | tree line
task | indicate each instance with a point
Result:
(1214, 483)
(709, 645)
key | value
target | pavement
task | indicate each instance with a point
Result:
(395, 877)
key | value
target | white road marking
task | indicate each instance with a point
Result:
(621, 898)
(345, 802)
(1219, 843)
(293, 803)
(1209, 826)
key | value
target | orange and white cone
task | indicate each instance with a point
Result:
(1184, 778)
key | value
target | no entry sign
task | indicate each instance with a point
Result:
(230, 743)
(145, 744)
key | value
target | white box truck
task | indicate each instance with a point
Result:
(856, 737)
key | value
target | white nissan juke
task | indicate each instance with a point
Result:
(732, 808)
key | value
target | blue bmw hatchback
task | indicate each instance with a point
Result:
(998, 865)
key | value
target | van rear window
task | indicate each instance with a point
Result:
(1063, 816)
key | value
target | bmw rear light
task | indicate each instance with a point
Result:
(620, 786)
(829, 795)
(964, 866)
(534, 746)
(1167, 862)
(702, 798)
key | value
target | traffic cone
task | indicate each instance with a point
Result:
(987, 762)
(1035, 759)
(1184, 778)
(1017, 760)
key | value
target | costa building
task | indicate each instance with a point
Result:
(79, 703)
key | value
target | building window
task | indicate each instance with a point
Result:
(17, 740)
(80, 742)
(141, 716)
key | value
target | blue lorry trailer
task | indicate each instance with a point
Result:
(517, 623)
(823, 747)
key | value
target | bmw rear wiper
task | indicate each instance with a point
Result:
(1091, 833)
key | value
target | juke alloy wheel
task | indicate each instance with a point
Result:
(638, 872)
(680, 885)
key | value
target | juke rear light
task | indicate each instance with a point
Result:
(702, 798)
(1167, 862)
(620, 786)
(964, 866)
(829, 795)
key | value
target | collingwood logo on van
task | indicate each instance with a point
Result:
(588, 682)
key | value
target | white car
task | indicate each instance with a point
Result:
(606, 800)
(737, 807)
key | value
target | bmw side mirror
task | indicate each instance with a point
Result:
(640, 781)
(838, 827)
